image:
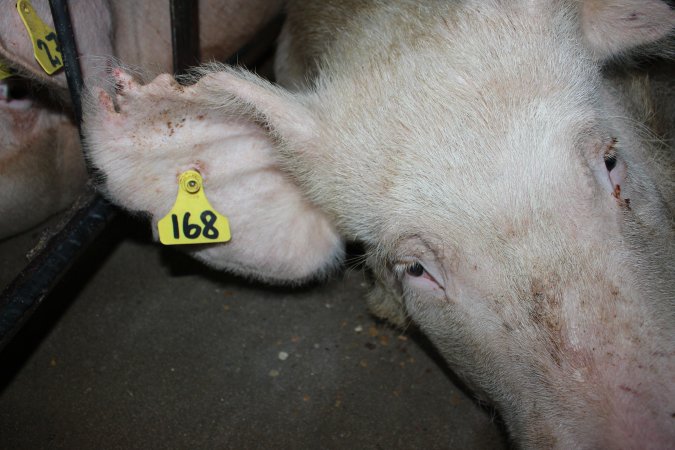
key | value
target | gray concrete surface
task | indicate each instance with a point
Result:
(141, 347)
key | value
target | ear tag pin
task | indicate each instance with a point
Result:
(45, 45)
(192, 205)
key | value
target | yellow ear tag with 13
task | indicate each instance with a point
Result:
(45, 44)
(5, 71)
(192, 220)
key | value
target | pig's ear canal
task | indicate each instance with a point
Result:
(613, 27)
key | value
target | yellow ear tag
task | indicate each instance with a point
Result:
(178, 227)
(4, 71)
(45, 44)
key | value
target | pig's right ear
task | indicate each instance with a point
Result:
(92, 25)
(613, 27)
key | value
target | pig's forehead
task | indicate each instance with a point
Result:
(489, 75)
(479, 184)
(465, 124)
(459, 34)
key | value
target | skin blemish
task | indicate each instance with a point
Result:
(633, 16)
(625, 388)
(617, 192)
(105, 101)
(198, 165)
(545, 314)
(623, 202)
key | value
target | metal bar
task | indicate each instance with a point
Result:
(25, 293)
(184, 34)
(64, 31)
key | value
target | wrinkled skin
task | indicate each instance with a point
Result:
(41, 167)
(511, 204)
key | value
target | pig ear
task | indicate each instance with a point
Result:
(92, 26)
(243, 93)
(143, 136)
(612, 27)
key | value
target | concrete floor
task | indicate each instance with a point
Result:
(141, 347)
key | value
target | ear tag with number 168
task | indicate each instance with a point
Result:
(192, 220)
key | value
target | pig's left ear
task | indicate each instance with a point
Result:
(612, 27)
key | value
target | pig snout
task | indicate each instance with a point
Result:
(608, 371)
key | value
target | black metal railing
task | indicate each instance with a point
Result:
(92, 213)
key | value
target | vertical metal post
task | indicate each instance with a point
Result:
(184, 34)
(25, 293)
(64, 31)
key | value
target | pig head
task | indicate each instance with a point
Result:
(510, 205)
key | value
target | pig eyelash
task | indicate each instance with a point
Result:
(413, 269)
(404, 267)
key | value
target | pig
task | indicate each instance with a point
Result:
(41, 166)
(488, 154)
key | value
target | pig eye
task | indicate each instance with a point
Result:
(412, 269)
(615, 168)
(18, 92)
(418, 274)
(610, 155)
(15, 93)
(16, 89)
(415, 270)
(416, 266)
(610, 160)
